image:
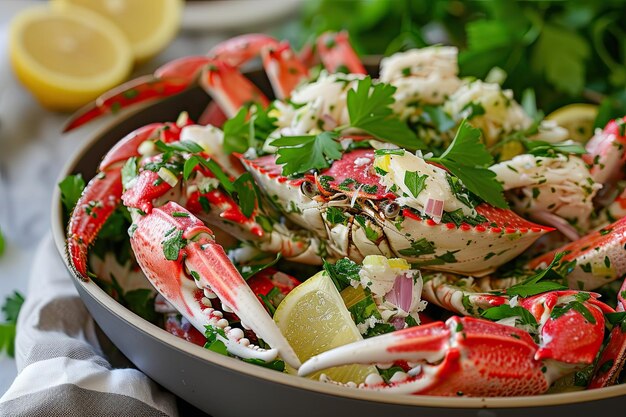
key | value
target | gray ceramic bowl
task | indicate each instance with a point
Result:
(223, 386)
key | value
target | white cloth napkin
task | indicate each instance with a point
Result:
(62, 370)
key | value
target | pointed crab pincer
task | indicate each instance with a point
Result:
(463, 356)
(177, 253)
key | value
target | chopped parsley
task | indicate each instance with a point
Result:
(334, 215)
(501, 312)
(544, 280)
(342, 272)
(172, 245)
(418, 248)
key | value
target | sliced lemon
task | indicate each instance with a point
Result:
(314, 319)
(577, 118)
(67, 56)
(149, 25)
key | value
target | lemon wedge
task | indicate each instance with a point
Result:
(67, 56)
(577, 118)
(314, 319)
(149, 25)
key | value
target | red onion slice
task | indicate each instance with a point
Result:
(434, 209)
(401, 295)
(551, 219)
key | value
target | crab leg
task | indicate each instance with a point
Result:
(463, 356)
(337, 54)
(599, 257)
(170, 79)
(229, 88)
(168, 242)
(284, 71)
(283, 68)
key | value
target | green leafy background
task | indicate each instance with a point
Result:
(568, 51)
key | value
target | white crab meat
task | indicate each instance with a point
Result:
(561, 185)
(502, 114)
(436, 186)
(421, 76)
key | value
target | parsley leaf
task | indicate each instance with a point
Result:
(237, 132)
(173, 244)
(415, 182)
(561, 53)
(418, 248)
(299, 154)
(11, 309)
(467, 158)
(541, 148)
(247, 271)
(368, 108)
(342, 272)
(504, 311)
(246, 194)
(71, 189)
(334, 215)
(436, 116)
(179, 146)
(12, 306)
(212, 166)
(534, 284)
(129, 171)
(276, 365)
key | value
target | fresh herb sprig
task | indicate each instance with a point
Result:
(541, 148)
(300, 154)
(248, 129)
(504, 311)
(369, 109)
(468, 159)
(11, 310)
(243, 188)
(542, 281)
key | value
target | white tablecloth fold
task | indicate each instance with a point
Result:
(62, 369)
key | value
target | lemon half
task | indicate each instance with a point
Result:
(314, 319)
(149, 25)
(67, 56)
(577, 118)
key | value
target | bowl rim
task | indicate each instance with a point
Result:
(267, 375)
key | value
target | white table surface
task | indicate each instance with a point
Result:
(33, 151)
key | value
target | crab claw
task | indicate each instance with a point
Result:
(177, 253)
(103, 193)
(463, 356)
